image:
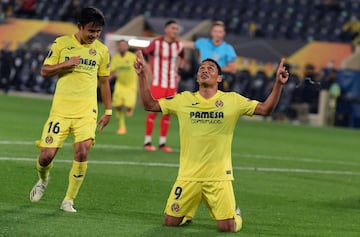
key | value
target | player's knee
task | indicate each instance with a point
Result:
(227, 225)
(172, 221)
(81, 155)
(46, 156)
(82, 150)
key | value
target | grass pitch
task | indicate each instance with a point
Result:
(289, 180)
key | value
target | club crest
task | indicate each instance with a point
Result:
(92, 52)
(175, 207)
(49, 140)
(219, 104)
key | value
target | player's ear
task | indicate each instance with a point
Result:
(79, 26)
(219, 78)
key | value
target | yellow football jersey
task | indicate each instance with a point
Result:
(126, 76)
(206, 132)
(76, 90)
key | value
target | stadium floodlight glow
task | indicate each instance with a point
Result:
(138, 43)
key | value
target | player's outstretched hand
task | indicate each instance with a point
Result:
(282, 75)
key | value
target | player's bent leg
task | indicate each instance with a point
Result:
(46, 156)
(230, 225)
(44, 165)
(238, 221)
(172, 221)
(226, 225)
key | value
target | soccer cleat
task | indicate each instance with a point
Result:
(121, 131)
(165, 148)
(129, 113)
(149, 147)
(238, 220)
(67, 205)
(38, 190)
(238, 211)
(186, 221)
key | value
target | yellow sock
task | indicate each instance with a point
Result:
(121, 118)
(76, 178)
(43, 171)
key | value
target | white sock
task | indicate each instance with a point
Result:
(147, 139)
(162, 140)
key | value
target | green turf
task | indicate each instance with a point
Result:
(289, 180)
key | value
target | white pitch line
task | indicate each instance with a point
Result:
(242, 155)
(173, 165)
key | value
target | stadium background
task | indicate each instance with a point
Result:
(289, 180)
(261, 31)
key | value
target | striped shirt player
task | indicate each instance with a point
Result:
(164, 54)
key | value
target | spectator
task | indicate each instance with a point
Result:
(305, 98)
(19, 61)
(328, 5)
(310, 91)
(335, 92)
(6, 61)
(350, 29)
(6, 9)
(71, 11)
(27, 8)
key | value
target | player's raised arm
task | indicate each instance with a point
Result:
(143, 72)
(282, 76)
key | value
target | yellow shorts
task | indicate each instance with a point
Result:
(186, 196)
(57, 129)
(124, 97)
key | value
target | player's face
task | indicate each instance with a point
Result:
(208, 74)
(123, 47)
(172, 31)
(217, 33)
(89, 33)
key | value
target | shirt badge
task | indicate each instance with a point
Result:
(219, 104)
(92, 52)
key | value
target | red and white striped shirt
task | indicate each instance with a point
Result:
(163, 60)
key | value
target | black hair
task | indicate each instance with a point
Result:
(169, 22)
(213, 61)
(91, 15)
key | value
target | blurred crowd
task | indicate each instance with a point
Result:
(20, 69)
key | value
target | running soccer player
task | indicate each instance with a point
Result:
(78, 60)
(207, 119)
(125, 91)
(164, 53)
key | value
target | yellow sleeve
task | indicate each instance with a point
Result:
(54, 53)
(104, 67)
